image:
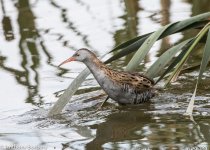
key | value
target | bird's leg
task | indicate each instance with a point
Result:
(103, 103)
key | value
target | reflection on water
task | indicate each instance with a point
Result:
(37, 35)
(28, 48)
(6, 23)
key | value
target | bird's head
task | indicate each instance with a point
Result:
(81, 55)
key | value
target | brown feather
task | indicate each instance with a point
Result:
(135, 80)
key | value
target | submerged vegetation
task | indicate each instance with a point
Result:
(167, 67)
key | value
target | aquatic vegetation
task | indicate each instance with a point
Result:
(168, 66)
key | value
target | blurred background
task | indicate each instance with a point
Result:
(36, 35)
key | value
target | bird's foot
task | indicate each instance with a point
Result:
(100, 107)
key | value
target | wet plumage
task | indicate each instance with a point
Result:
(123, 87)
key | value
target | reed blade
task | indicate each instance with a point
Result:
(204, 63)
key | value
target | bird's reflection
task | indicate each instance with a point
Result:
(137, 128)
(120, 126)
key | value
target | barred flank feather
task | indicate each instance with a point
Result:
(144, 96)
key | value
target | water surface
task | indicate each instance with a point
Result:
(37, 35)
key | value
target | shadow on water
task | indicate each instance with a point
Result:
(29, 42)
(130, 29)
(28, 47)
(71, 25)
(137, 129)
(120, 126)
(6, 23)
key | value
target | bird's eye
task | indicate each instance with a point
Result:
(77, 54)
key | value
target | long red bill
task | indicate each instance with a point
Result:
(66, 61)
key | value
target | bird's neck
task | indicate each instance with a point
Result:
(97, 68)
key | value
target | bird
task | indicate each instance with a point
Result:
(121, 86)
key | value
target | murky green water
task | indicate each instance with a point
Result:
(37, 35)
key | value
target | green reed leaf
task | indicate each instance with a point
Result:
(181, 25)
(69, 92)
(204, 63)
(129, 42)
(144, 49)
(183, 60)
(176, 60)
(133, 44)
(164, 59)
